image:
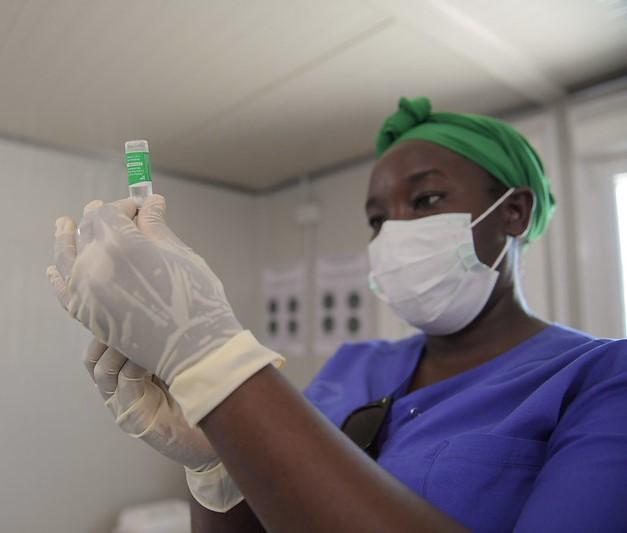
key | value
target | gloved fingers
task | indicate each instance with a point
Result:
(137, 406)
(65, 246)
(93, 205)
(152, 213)
(134, 406)
(92, 355)
(116, 215)
(151, 221)
(59, 285)
(86, 226)
(133, 372)
(157, 419)
(106, 371)
(143, 408)
(125, 206)
(133, 381)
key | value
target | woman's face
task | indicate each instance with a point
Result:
(417, 179)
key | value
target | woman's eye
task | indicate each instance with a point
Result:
(426, 200)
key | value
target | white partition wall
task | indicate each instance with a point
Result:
(65, 467)
(599, 128)
(545, 264)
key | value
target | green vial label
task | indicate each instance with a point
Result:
(138, 167)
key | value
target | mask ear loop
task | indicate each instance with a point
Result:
(486, 213)
(500, 257)
(374, 287)
(492, 207)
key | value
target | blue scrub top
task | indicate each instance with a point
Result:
(533, 440)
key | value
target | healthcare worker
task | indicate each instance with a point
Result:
(490, 420)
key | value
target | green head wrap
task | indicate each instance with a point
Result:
(488, 142)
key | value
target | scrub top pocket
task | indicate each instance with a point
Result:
(484, 479)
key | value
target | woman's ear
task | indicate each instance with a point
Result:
(518, 209)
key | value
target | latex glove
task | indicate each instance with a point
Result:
(143, 408)
(141, 403)
(140, 290)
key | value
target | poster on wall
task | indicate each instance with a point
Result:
(342, 307)
(284, 309)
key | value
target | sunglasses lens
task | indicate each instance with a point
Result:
(364, 424)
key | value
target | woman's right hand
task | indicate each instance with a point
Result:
(143, 408)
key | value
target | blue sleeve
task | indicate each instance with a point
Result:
(583, 483)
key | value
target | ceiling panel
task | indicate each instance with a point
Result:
(252, 93)
(332, 112)
(571, 41)
(91, 74)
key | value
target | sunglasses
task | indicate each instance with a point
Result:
(363, 426)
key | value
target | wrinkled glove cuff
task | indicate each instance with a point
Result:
(202, 387)
(213, 489)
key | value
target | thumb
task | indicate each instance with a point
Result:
(151, 221)
(151, 218)
(152, 212)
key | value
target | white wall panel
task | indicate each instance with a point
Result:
(599, 128)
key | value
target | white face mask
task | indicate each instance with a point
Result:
(428, 272)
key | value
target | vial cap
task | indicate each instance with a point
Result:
(136, 146)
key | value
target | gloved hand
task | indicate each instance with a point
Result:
(142, 291)
(144, 409)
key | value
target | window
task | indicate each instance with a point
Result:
(620, 191)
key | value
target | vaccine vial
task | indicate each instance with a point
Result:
(138, 170)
